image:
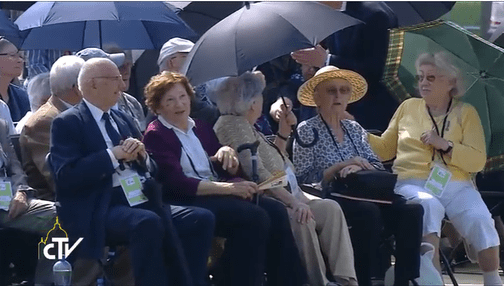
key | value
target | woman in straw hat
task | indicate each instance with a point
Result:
(438, 142)
(319, 226)
(342, 148)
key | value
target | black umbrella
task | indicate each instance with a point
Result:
(497, 37)
(202, 15)
(412, 13)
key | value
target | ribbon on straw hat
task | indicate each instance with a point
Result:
(358, 83)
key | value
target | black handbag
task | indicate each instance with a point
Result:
(368, 184)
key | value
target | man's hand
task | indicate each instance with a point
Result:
(315, 57)
(120, 154)
(432, 138)
(303, 213)
(228, 158)
(244, 189)
(18, 205)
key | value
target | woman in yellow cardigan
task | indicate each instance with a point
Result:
(438, 142)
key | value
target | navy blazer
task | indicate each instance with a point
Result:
(83, 174)
(363, 48)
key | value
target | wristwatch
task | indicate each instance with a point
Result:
(450, 147)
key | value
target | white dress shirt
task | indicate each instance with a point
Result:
(97, 115)
(192, 150)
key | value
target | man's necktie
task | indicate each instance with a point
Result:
(112, 133)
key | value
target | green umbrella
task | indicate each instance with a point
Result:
(480, 62)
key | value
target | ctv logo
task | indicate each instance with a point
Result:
(56, 245)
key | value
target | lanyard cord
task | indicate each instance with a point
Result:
(437, 129)
(334, 140)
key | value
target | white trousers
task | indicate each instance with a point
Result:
(463, 205)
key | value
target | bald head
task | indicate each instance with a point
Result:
(100, 82)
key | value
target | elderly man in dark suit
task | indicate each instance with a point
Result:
(98, 180)
(363, 49)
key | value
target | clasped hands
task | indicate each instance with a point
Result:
(130, 149)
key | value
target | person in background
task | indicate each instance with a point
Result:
(39, 91)
(172, 58)
(11, 66)
(128, 103)
(41, 61)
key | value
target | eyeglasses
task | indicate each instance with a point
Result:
(430, 78)
(13, 55)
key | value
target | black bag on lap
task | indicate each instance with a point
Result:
(368, 184)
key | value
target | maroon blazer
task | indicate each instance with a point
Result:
(165, 148)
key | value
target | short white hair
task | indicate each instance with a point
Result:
(235, 95)
(64, 74)
(444, 62)
(89, 68)
(39, 90)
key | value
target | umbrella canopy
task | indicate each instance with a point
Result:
(201, 15)
(9, 30)
(258, 33)
(479, 61)
(412, 13)
(78, 25)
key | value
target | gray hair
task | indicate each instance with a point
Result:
(235, 95)
(444, 63)
(64, 74)
(39, 90)
(89, 68)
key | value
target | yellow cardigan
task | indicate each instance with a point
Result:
(414, 159)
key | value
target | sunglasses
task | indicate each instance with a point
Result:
(430, 78)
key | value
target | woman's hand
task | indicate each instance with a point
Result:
(349, 170)
(432, 138)
(361, 162)
(302, 212)
(228, 158)
(243, 189)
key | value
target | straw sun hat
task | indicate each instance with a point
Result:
(358, 83)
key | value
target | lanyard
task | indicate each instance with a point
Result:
(437, 129)
(334, 140)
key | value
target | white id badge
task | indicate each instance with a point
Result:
(5, 194)
(439, 178)
(132, 188)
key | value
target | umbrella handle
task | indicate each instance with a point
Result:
(296, 135)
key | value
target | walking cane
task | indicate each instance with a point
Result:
(253, 150)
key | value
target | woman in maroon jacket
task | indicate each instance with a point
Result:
(258, 236)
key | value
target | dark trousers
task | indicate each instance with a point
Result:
(144, 231)
(369, 223)
(258, 237)
(195, 227)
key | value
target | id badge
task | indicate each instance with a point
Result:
(5, 194)
(291, 177)
(439, 178)
(132, 188)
